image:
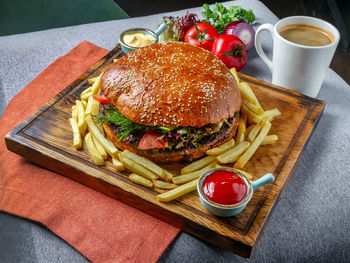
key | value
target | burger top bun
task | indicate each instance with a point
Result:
(172, 84)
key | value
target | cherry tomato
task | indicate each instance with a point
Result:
(152, 140)
(230, 50)
(101, 98)
(201, 35)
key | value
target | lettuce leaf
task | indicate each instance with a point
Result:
(177, 27)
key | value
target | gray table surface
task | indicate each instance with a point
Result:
(311, 221)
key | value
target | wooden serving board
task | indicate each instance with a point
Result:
(46, 139)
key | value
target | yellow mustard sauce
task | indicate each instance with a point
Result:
(138, 39)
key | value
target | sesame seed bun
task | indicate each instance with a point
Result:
(173, 84)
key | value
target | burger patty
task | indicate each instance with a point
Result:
(206, 142)
(187, 151)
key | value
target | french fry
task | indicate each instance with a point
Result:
(95, 107)
(77, 141)
(164, 185)
(254, 108)
(109, 146)
(240, 137)
(145, 163)
(249, 129)
(248, 175)
(168, 176)
(96, 86)
(75, 113)
(117, 164)
(115, 60)
(251, 115)
(234, 73)
(232, 155)
(81, 116)
(254, 132)
(137, 168)
(140, 180)
(222, 148)
(85, 97)
(94, 154)
(270, 139)
(84, 103)
(88, 108)
(178, 191)
(271, 113)
(246, 94)
(194, 175)
(241, 128)
(245, 86)
(198, 164)
(254, 146)
(92, 80)
(100, 128)
(86, 91)
(99, 148)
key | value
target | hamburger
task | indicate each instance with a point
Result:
(169, 102)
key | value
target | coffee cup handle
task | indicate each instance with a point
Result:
(258, 45)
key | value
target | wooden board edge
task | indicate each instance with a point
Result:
(15, 145)
(318, 110)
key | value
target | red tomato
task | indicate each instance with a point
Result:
(201, 35)
(230, 50)
(151, 140)
(101, 98)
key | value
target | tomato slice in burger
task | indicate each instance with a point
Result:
(101, 98)
(152, 140)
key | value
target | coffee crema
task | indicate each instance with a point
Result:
(306, 35)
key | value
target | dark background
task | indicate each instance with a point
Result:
(336, 12)
(20, 16)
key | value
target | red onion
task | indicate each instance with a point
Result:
(242, 30)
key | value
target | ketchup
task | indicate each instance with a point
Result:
(224, 187)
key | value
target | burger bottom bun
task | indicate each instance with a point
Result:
(172, 156)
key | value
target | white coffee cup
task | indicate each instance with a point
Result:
(298, 67)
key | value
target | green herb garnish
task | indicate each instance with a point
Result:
(217, 129)
(165, 130)
(178, 136)
(220, 16)
(227, 123)
(113, 116)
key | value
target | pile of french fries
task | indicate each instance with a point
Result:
(253, 131)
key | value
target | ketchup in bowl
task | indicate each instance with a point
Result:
(224, 187)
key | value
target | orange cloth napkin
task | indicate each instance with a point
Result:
(101, 228)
